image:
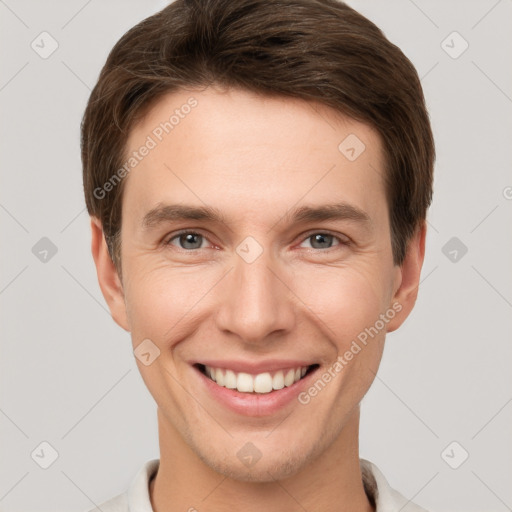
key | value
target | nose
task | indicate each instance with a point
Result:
(257, 302)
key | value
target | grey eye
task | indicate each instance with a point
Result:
(188, 240)
(321, 240)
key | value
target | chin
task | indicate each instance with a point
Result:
(276, 465)
(261, 472)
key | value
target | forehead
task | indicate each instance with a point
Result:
(245, 153)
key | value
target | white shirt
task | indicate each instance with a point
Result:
(136, 497)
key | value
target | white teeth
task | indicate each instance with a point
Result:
(278, 380)
(289, 378)
(219, 377)
(261, 383)
(245, 383)
(230, 380)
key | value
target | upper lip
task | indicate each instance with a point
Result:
(253, 367)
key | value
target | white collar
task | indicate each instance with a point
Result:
(386, 499)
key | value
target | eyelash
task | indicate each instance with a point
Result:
(342, 242)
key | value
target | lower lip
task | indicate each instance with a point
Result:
(255, 404)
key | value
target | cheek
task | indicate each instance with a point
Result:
(347, 300)
(159, 300)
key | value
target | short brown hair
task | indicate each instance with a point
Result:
(318, 50)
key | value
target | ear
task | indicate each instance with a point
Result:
(108, 278)
(408, 279)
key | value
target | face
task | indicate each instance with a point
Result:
(257, 252)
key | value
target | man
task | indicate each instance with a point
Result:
(258, 175)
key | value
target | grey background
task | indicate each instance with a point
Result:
(68, 375)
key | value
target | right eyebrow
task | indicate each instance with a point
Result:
(174, 212)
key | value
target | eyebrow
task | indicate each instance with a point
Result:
(177, 212)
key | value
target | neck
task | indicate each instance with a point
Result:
(332, 482)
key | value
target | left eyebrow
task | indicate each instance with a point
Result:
(338, 211)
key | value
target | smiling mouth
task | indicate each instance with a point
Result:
(266, 382)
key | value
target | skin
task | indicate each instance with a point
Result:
(255, 158)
